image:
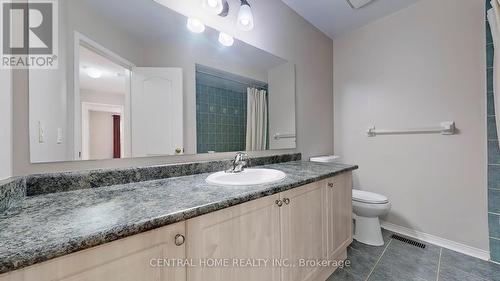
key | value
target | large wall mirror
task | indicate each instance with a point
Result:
(133, 81)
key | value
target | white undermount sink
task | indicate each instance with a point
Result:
(247, 177)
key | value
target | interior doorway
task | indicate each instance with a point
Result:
(102, 102)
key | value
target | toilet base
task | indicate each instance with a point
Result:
(368, 231)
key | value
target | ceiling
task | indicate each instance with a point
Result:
(150, 22)
(112, 78)
(336, 17)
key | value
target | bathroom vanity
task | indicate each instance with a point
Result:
(132, 231)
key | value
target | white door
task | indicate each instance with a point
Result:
(157, 108)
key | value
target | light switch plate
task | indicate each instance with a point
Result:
(59, 135)
(41, 133)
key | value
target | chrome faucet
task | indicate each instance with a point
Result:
(239, 163)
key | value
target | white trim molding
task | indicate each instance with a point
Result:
(442, 242)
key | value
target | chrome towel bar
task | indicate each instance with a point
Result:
(445, 128)
(284, 136)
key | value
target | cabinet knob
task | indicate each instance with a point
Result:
(286, 201)
(330, 185)
(279, 203)
(179, 239)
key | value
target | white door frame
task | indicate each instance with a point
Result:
(100, 107)
(82, 40)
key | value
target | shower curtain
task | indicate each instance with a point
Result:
(256, 119)
(494, 21)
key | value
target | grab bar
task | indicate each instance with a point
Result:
(284, 136)
(445, 128)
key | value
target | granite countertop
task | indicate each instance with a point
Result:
(47, 226)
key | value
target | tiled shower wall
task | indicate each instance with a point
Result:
(493, 154)
(221, 118)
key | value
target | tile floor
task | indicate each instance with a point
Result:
(398, 261)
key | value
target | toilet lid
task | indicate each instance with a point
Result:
(368, 197)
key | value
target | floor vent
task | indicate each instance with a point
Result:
(408, 241)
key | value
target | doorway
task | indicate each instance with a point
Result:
(102, 102)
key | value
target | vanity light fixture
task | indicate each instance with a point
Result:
(217, 7)
(195, 25)
(226, 39)
(245, 16)
(93, 72)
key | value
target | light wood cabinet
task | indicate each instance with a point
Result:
(303, 230)
(339, 214)
(312, 222)
(130, 259)
(247, 231)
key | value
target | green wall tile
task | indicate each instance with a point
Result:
(490, 53)
(494, 223)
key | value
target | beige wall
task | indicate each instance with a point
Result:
(278, 30)
(102, 97)
(281, 105)
(5, 124)
(418, 67)
(101, 132)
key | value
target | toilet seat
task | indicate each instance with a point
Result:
(368, 197)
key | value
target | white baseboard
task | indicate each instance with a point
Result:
(445, 243)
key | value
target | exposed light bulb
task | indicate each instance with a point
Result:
(216, 7)
(245, 21)
(245, 17)
(226, 39)
(93, 72)
(213, 3)
(195, 25)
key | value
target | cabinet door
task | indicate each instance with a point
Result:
(247, 231)
(303, 230)
(339, 206)
(130, 259)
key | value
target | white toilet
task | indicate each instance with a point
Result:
(367, 208)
